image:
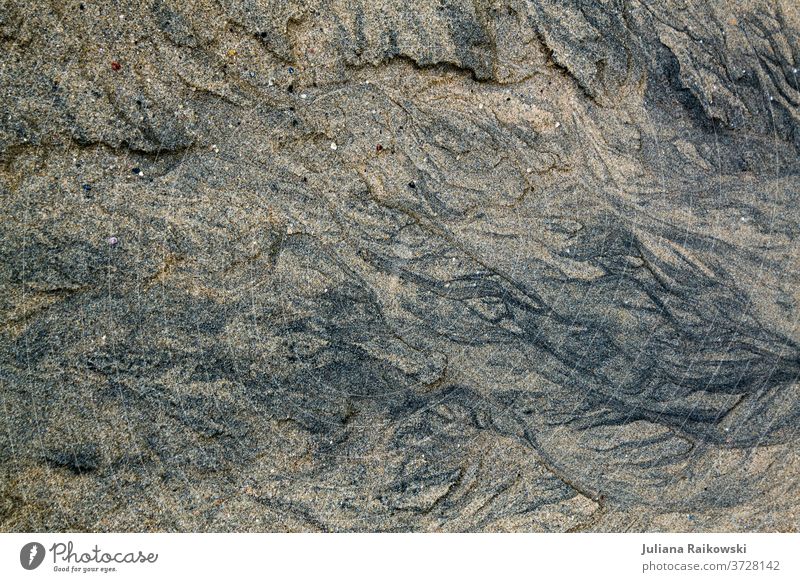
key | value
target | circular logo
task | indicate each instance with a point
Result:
(31, 555)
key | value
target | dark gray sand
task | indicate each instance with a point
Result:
(457, 265)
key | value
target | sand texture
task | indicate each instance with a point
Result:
(430, 265)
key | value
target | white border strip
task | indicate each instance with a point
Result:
(407, 557)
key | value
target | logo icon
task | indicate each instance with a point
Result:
(31, 555)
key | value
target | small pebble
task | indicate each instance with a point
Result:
(334, 146)
(112, 240)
